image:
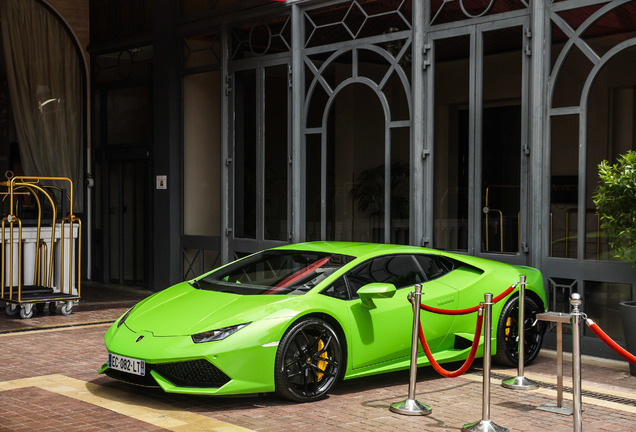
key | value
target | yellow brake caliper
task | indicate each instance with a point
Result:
(321, 364)
(508, 322)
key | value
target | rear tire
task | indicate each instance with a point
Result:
(308, 361)
(508, 330)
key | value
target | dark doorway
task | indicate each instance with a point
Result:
(123, 186)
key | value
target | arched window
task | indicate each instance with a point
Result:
(357, 144)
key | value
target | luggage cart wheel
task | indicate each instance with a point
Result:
(26, 311)
(67, 308)
(12, 309)
(52, 307)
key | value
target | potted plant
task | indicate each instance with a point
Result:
(615, 201)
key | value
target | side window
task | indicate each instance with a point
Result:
(399, 270)
(338, 289)
(433, 266)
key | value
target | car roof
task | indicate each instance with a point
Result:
(357, 249)
(362, 250)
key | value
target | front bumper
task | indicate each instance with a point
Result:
(243, 363)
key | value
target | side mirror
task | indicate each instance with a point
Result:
(375, 291)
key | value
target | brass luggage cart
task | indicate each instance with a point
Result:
(38, 256)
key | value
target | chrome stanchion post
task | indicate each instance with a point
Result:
(520, 382)
(575, 301)
(411, 406)
(485, 424)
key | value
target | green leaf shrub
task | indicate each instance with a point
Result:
(615, 201)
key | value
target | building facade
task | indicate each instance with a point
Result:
(219, 128)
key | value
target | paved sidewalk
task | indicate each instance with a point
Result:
(48, 382)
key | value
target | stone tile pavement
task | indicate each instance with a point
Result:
(48, 382)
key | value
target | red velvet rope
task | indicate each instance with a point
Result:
(471, 355)
(467, 310)
(476, 338)
(610, 343)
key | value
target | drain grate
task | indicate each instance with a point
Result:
(586, 393)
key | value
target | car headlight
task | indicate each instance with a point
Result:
(123, 318)
(218, 334)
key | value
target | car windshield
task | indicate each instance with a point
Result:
(274, 272)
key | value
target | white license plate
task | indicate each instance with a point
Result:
(127, 364)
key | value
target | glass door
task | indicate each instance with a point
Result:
(260, 161)
(479, 123)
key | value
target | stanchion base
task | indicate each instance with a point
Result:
(520, 383)
(411, 407)
(556, 409)
(484, 426)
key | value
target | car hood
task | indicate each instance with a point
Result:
(184, 310)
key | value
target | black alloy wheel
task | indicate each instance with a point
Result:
(508, 333)
(308, 361)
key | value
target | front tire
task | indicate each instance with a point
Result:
(308, 361)
(508, 333)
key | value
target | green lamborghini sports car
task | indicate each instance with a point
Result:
(298, 318)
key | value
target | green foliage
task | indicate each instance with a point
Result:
(615, 201)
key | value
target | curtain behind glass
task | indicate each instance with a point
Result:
(44, 77)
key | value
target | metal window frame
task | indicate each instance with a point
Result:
(235, 244)
(474, 30)
(580, 268)
(336, 50)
